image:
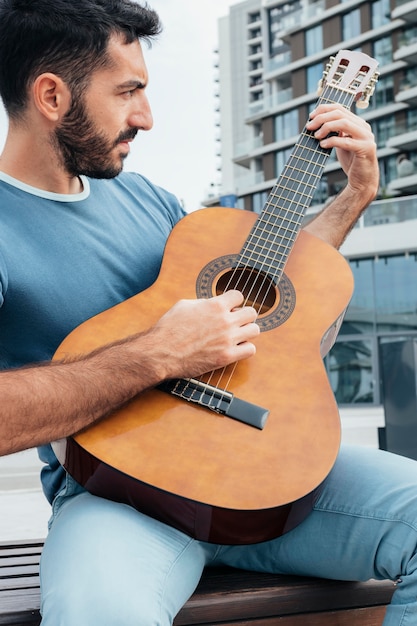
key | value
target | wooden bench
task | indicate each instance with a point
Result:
(224, 596)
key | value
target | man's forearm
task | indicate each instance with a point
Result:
(336, 220)
(47, 402)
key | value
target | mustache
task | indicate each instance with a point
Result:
(126, 135)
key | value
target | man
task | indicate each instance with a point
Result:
(78, 236)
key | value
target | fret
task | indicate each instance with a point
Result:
(317, 153)
(329, 100)
(266, 264)
(271, 231)
(275, 250)
(285, 226)
(297, 169)
(277, 227)
(292, 184)
(271, 250)
(285, 219)
(308, 163)
(285, 203)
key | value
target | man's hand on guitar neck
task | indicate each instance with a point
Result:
(352, 137)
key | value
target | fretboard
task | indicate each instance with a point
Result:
(274, 232)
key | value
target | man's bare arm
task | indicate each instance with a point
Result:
(46, 402)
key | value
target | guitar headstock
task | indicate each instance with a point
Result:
(352, 72)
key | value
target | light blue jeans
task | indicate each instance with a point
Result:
(106, 564)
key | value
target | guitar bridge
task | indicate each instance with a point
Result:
(216, 399)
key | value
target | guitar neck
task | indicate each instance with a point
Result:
(273, 235)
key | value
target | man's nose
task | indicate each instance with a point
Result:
(141, 115)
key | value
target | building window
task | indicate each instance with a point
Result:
(387, 171)
(255, 65)
(314, 40)
(286, 125)
(258, 201)
(381, 13)
(351, 24)
(254, 33)
(360, 315)
(322, 192)
(408, 36)
(382, 50)
(384, 305)
(351, 371)
(396, 293)
(412, 119)
(384, 93)
(281, 158)
(276, 18)
(314, 75)
(255, 49)
(384, 128)
(254, 17)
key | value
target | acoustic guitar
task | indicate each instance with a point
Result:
(238, 455)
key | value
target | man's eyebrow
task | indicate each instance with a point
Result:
(132, 84)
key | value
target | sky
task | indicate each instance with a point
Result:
(179, 152)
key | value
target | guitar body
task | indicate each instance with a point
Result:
(214, 477)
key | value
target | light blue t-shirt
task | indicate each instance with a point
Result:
(66, 258)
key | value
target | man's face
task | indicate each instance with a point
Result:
(93, 136)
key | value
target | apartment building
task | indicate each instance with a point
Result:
(270, 58)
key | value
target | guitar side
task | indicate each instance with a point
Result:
(187, 458)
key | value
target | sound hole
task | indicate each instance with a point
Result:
(257, 287)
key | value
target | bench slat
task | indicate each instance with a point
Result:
(224, 596)
(363, 617)
(20, 606)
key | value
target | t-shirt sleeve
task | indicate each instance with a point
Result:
(168, 200)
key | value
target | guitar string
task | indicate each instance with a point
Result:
(326, 154)
(283, 231)
(272, 217)
(349, 100)
(289, 167)
(254, 235)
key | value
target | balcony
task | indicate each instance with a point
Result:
(297, 19)
(245, 148)
(249, 181)
(407, 52)
(405, 138)
(409, 96)
(405, 10)
(390, 211)
(406, 184)
(279, 61)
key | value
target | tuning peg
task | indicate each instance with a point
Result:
(363, 101)
(323, 79)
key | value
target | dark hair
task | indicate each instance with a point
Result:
(66, 37)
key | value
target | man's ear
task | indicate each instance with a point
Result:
(51, 96)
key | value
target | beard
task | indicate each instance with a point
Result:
(83, 149)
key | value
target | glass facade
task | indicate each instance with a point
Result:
(281, 158)
(351, 24)
(383, 95)
(381, 13)
(286, 125)
(313, 39)
(314, 75)
(382, 51)
(383, 306)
